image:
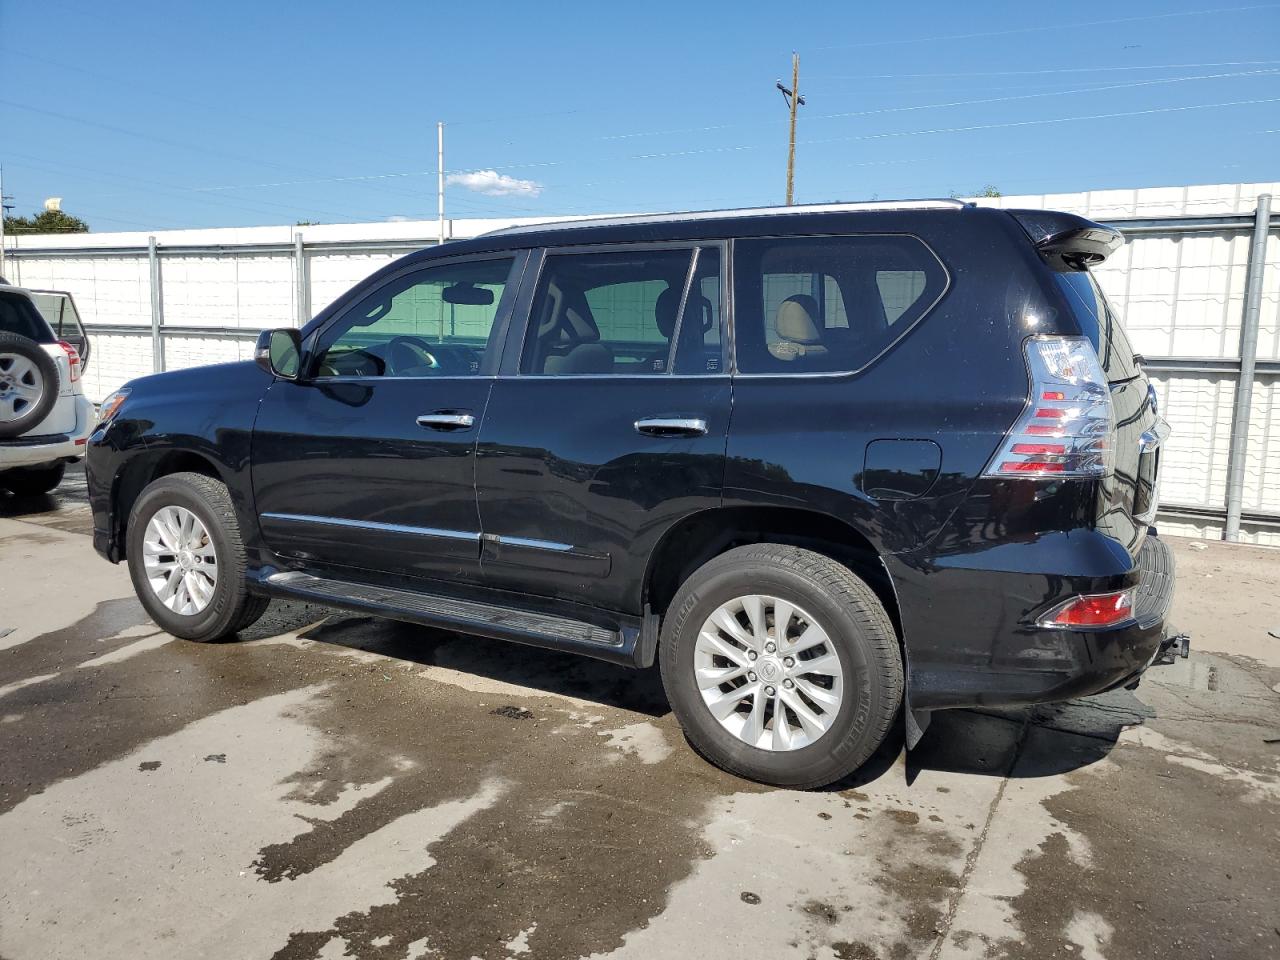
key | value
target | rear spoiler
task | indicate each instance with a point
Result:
(1068, 237)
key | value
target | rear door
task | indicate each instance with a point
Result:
(609, 423)
(18, 315)
(368, 461)
(59, 309)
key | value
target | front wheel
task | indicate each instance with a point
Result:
(781, 665)
(187, 560)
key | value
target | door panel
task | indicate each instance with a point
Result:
(597, 448)
(369, 461)
(573, 498)
(344, 474)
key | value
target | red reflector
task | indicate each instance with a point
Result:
(1031, 466)
(1048, 413)
(82, 441)
(1100, 610)
(1053, 395)
(1042, 430)
(1037, 449)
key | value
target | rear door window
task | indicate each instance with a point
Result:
(829, 304)
(629, 313)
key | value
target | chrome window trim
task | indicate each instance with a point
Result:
(374, 525)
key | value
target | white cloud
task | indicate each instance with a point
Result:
(494, 184)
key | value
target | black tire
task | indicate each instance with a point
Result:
(31, 412)
(232, 608)
(855, 621)
(32, 481)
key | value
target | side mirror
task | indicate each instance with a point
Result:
(279, 352)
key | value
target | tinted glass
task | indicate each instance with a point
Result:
(436, 322)
(1099, 323)
(17, 315)
(59, 310)
(620, 314)
(829, 304)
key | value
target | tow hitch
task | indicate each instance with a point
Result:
(1178, 645)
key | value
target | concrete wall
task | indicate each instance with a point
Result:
(1181, 296)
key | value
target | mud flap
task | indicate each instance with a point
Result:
(917, 721)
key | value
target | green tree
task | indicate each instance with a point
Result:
(46, 221)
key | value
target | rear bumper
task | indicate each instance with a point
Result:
(48, 449)
(1022, 663)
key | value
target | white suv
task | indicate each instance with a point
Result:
(45, 418)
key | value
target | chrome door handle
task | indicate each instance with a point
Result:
(447, 421)
(672, 427)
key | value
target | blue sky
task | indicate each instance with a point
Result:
(153, 115)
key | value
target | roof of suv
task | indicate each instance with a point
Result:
(728, 214)
(696, 225)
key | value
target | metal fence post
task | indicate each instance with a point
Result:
(303, 279)
(1248, 358)
(157, 307)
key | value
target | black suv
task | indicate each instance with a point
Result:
(819, 463)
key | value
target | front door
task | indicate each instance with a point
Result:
(368, 461)
(611, 427)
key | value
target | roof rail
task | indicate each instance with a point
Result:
(799, 208)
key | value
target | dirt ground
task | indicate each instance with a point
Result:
(341, 786)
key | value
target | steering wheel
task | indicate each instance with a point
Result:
(404, 353)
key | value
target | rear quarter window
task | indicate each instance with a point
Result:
(829, 304)
(17, 315)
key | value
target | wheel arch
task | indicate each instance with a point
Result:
(705, 535)
(143, 470)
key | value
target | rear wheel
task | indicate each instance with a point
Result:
(781, 665)
(187, 560)
(33, 481)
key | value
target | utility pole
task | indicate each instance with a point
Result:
(794, 100)
(3, 208)
(440, 174)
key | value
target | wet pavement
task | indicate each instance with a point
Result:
(341, 786)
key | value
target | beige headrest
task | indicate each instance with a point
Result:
(795, 320)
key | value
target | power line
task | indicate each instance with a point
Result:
(1052, 26)
(1031, 123)
(1022, 73)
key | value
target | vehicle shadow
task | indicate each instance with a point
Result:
(1041, 741)
(531, 669)
(73, 492)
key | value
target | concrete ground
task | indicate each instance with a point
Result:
(336, 785)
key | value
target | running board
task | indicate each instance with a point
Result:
(465, 616)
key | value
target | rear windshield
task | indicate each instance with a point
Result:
(17, 315)
(1099, 323)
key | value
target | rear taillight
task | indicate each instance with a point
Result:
(1091, 611)
(73, 359)
(1067, 429)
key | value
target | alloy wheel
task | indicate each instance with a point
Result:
(180, 560)
(21, 386)
(768, 672)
